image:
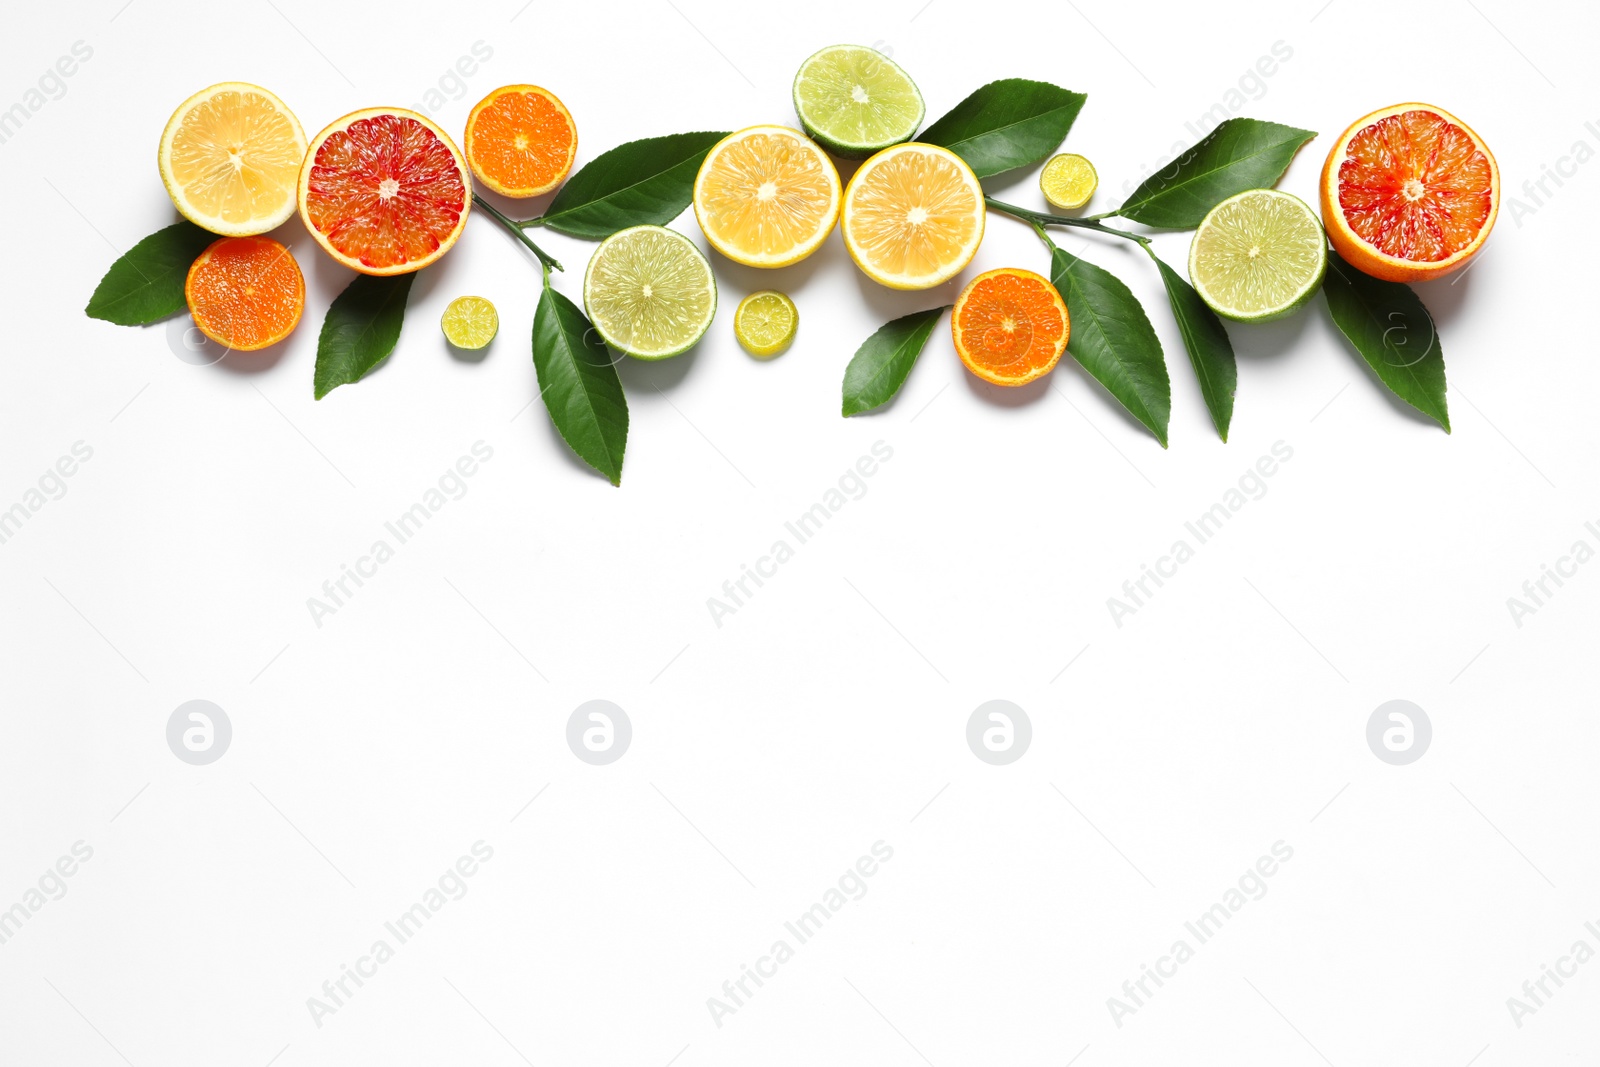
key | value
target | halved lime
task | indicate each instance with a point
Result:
(470, 322)
(650, 292)
(766, 322)
(1258, 256)
(1068, 181)
(855, 101)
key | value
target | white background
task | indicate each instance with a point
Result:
(830, 711)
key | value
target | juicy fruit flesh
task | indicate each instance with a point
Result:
(765, 195)
(1258, 252)
(1415, 186)
(765, 322)
(650, 292)
(1010, 324)
(523, 142)
(385, 191)
(857, 97)
(245, 292)
(916, 215)
(470, 322)
(1068, 181)
(236, 157)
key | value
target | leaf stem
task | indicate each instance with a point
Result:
(514, 228)
(1040, 219)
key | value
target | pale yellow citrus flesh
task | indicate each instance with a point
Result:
(766, 196)
(765, 323)
(470, 322)
(1068, 181)
(230, 159)
(913, 216)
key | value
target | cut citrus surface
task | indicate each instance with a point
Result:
(1257, 256)
(765, 323)
(855, 101)
(470, 322)
(913, 216)
(245, 292)
(521, 140)
(1409, 193)
(650, 292)
(1010, 326)
(766, 196)
(230, 157)
(1068, 181)
(384, 191)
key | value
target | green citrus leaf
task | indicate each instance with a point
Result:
(579, 384)
(146, 283)
(642, 182)
(1006, 124)
(1238, 155)
(360, 330)
(1113, 340)
(1210, 349)
(1390, 327)
(880, 366)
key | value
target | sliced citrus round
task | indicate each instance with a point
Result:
(913, 216)
(1258, 256)
(521, 140)
(230, 157)
(650, 292)
(384, 191)
(1068, 181)
(1010, 326)
(470, 322)
(1409, 193)
(245, 292)
(855, 101)
(766, 196)
(765, 323)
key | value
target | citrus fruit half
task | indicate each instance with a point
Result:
(913, 216)
(1409, 193)
(766, 196)
(855, 101)
(1010, 326)
(470, 323)
(1068, 181)
(229, 158)
(521, 140)
(1258, 256)
(650, 292)
(765, 323)
(245, 292)
(384, 191)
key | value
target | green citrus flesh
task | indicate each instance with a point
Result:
(855, 101)
(1258, 256)
(650, 292)
(765, 323)
(470, 322)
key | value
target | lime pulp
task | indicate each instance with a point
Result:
(765, 323)
(1258, 256)
(650, 292)
(855, 101)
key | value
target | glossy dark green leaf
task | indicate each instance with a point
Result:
(1238, 155)
(360, 330)
(579, 384)
(1113, 340)
(1392, 330)
(146, 284)
(1007, 124)
(1210, 349)
(880, 366)
(642, 182)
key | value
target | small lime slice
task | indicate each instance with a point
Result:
(1068, 181)
(650, 292)
(470, 322)
(765, 323)
(855, 101)
(1258, 256)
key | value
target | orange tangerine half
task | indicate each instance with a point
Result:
(1010, 326)
(245, 292)
(521, 140)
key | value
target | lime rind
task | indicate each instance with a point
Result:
(470, 323)
(855, 101)
(765, 323)
(1259, 255)
(650, 292)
